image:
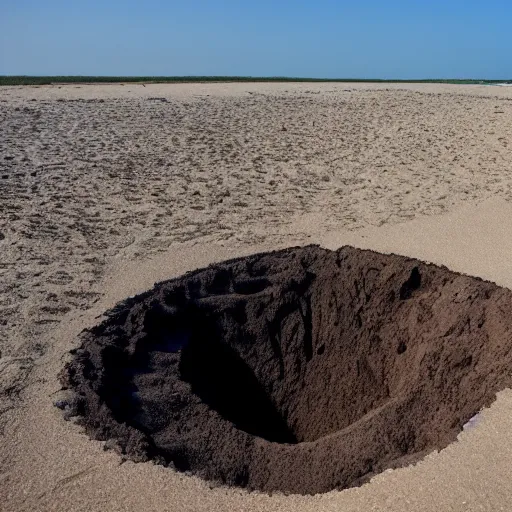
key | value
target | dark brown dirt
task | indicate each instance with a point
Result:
(302, 370)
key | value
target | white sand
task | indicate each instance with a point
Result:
(418, 170)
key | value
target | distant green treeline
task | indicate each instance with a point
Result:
(45, 80)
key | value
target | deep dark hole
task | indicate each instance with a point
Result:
(298, 370)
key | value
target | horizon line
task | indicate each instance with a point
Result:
(49, 79)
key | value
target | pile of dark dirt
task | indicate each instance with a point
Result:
(302, 370)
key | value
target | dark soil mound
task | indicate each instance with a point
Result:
(302, 370)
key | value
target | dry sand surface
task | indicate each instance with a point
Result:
(106, 189)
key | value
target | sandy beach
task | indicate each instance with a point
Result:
(107, 189)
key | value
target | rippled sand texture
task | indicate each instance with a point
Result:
(91, 176)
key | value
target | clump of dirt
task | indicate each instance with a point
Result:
(302, 370)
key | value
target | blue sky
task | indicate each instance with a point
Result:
(322, 38)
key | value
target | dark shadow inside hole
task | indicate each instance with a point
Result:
(117, 388)
(413, 283)
(219, 376)
(166, 332)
